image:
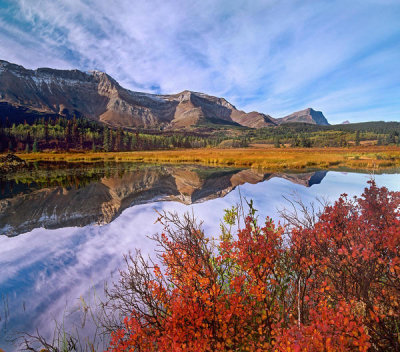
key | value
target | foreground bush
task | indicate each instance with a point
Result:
(332, 286)
(352, 256)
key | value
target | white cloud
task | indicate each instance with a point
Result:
(270, 56)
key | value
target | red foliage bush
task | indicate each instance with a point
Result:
(334, 286)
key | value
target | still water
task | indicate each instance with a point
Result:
(64, 229)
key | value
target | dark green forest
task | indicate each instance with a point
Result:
(63, 134)
(307, 135)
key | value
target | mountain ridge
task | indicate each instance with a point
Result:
(98, 96)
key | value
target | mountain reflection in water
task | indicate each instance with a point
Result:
(55, 197)
(47, 272)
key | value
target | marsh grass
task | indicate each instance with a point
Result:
(67, 337)
(372, 157)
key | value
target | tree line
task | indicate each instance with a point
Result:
(307, 135)
(62, 134)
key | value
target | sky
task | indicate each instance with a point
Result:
(271, 56)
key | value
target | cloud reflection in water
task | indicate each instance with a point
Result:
(46, 271)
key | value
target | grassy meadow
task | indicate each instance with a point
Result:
(362, 157)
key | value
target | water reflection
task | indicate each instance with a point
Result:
(62, 197)
(45, 271)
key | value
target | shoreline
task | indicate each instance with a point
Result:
(368, 158)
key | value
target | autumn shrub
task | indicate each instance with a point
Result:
(352, 256)
(332, 286)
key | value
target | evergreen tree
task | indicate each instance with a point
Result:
(10, 146)
(132, 143)
(35, 146)
(117, 146)
(28, 138)
(46, 131)
(75, 133)
(305, 142)
(125, 141)
(68, 134)
(138, 141)
(391, 138)
(295, 142)
(106, 139)
(357, 141)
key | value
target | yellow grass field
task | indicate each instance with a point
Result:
(371, 157)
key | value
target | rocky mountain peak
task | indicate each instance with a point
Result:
(308, 115)
(97, 96)
(102, 76)
(185, 95)
(5, 65)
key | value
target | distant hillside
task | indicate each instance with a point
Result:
(306, 116)
(28, 94)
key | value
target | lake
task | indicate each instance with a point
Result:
(64, 228)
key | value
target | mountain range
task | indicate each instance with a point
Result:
(97, 96)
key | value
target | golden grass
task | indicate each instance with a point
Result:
(372, 157)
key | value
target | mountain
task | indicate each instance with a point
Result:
(97, 96)
(307, 116)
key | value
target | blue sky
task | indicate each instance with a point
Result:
(272, 56)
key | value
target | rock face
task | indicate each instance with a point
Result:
(97, 96)
(255, 119)
(94, 95)
(307, 116)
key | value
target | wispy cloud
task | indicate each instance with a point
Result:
(271, 56)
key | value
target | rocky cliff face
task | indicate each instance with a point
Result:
(94, 95)
(97, 96)
(99, 202)
(307, 116)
